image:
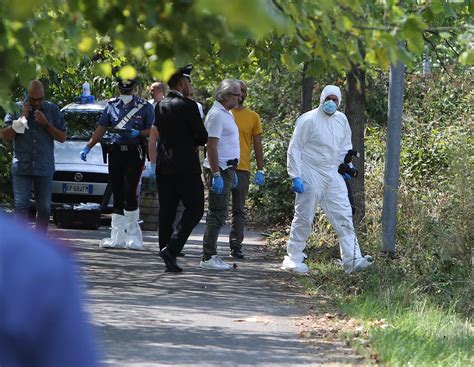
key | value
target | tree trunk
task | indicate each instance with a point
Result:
(306, 91)
(355, 112)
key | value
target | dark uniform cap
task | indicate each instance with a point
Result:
(184, 71)
(126, 84)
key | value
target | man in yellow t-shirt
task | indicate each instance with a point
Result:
(250, 134)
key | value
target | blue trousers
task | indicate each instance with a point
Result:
(22, 185)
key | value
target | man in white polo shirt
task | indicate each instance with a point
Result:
(223, 152)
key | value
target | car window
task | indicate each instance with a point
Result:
(81, 124)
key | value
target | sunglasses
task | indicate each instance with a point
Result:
(35, 99)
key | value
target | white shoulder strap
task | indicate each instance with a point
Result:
(129, 115)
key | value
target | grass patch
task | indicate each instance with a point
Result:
(420, 334)
(404, 325)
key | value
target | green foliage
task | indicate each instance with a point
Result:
(441, 117)
(38, 36)
(342, 33)
(5, 169)
(43, 35)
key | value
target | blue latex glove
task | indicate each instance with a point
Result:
(84, 152)
(297, 185)
(217, 185)
(130, 134)
(259, 178)
(151, 172)
(236, 180)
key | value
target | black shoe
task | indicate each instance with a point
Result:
(170, 262)
(181, 254)
(236, 253)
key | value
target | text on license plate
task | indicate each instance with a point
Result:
(77, 188)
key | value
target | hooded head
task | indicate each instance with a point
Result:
(331, 90)
(330, 99)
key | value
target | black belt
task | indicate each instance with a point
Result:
(123, 147)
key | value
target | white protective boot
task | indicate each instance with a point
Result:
(290, 265)
(294, 260)
(134, 237)
(352, 260)
(117, 234)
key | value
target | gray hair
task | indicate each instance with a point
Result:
(226, 87)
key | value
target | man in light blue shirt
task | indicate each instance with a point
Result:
(33, 131)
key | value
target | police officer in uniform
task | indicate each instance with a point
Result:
(180, 130)
(130, 118)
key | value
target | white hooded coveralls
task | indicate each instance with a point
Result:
(317, 148)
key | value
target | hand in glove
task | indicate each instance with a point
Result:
(347, 170)
(20, 125)
(235, 182)
(217, 185)
(259, 178)
(151, 173)
(84, 153)
(297, 185)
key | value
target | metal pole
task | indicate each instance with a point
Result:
(392, 159)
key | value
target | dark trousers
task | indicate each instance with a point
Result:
(125, 169)
(217, 212)
(171, 189)
(239, 194)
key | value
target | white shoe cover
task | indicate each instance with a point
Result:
(117, 234)
(358, 265)
(134, 237)
(292, 266)
(351, 258)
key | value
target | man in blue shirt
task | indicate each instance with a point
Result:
(130, 118)
(33, 131)
(42, 321)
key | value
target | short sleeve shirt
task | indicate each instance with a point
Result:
(220, 124)
(116, 110)
(33, 151)
(249, 126)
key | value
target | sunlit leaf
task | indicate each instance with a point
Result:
(412, 30)
(258, 16)
(167, 69)
(128, 72)
(104, 69)
(23, 9)
(467, 58)
(86, 45)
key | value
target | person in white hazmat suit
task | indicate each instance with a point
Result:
(321, 139)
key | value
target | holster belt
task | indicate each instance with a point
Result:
(232, 162)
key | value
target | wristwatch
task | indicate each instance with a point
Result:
(216, 174)
(260, 171)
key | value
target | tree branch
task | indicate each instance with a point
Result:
(437, 55)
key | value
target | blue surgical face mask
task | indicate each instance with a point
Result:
(329, 107)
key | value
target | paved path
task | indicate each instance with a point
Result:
(243, 317)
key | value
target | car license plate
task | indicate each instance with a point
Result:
(77, 188)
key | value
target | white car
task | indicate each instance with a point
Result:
(77, 181)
